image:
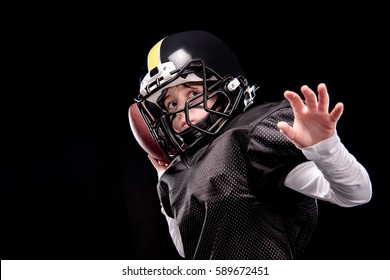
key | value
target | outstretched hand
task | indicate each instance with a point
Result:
(312, 122)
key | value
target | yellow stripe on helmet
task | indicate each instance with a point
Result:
(154, 56)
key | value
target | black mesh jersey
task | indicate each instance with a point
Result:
(228, 197)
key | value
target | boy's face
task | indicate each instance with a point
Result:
(176, 98)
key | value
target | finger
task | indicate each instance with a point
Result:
(310, 97)
(323, 98)
(158, 165)
(153, 161)
(295, 100)
(337, 112)
(161, 163)
(286, 130)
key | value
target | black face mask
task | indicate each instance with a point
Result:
(190, 135)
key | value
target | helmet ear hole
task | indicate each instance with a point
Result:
(143, 135)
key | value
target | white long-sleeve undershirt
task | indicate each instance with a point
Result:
(332, 174)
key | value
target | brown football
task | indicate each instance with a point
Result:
(143, 135)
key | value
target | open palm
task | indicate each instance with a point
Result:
(312, 120)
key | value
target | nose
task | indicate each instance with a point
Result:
(180, 105)
(181, 101)
(181, 115)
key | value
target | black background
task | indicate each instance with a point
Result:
(74, 182)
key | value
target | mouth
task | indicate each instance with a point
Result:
(183, 126)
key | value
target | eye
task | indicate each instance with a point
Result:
(170, 105)
(193, 93)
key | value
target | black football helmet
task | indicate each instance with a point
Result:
(186, 57)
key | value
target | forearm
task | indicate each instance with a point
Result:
(332, 174)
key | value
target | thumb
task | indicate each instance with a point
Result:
(286, 130)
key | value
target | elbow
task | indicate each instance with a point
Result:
(369, 194)
(355, 195)
(366, 195)
(365, 192)
(362, 196)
